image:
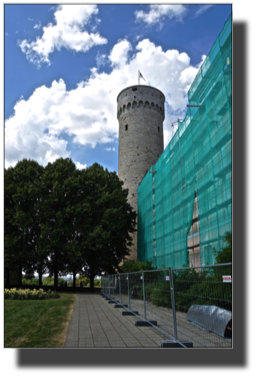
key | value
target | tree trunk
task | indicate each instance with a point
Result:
(92, 282)
(55, 272)
(20, 275)
(7, 277)
(40, 276)
(74, 280)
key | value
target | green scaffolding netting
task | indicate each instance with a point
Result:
(185, 199)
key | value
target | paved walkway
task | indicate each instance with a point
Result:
(95, 323)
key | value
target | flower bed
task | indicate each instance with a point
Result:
(27, 294)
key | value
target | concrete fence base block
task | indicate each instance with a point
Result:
(107, 299)
(119, 306)
(111, 301)
(145, 323)
(176, 344)
(129, 313)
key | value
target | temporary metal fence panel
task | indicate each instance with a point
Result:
(186, 304)
(112, 286)
(193, 174)
(136, 292)
(158, 300)
(123, 296)
(111, 283)
(205, 287)
(115, 288)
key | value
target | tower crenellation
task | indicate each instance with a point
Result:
(140, 112)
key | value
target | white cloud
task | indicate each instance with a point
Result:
(157, 13)
(110, 149)
(100, 59)
(118, 55)
(203, 57)
(88, 112)
(80, 166)
(68, 32)
(203, 8)
(38, 25)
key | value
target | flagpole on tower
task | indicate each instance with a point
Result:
(140, 75)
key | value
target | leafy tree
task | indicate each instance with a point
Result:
(21, 218)
(133, 266)
(75, 260)
(55, 226)
(97, 282)
(104, 221)
(11, 230)
(49, 281)
(225, 254)
(59, 220)
(84, 280)
(41, 253)
(32, 281)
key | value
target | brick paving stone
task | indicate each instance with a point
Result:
(96, 324)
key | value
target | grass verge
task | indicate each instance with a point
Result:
(38, 324)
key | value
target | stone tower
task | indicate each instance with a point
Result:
(140, 112)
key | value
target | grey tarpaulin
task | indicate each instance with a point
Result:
(212, 318)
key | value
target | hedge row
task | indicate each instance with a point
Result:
(30, 294)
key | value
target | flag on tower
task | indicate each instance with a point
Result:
(140, 76)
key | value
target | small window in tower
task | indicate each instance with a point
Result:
(126, 127)
(158, 128)
(134, 89)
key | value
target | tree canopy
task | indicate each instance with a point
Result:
(225, 254)
(21, 223)
(133, 266)
(62, 220)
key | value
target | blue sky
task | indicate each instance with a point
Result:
(66, 64)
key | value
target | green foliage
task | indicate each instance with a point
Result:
(49, 281)
(133, 266)
(205, 293)
(32, 281)
(104, 219)
(30, 294)
(191, 287)
(22, 228)
(225, 254)
(61, 220)
(11, 275)
(97, 283)
(84, 280)
(158, 292)
(57, 229)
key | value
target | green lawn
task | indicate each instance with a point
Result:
(38, 324)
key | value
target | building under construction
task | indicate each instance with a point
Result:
(185, 199)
